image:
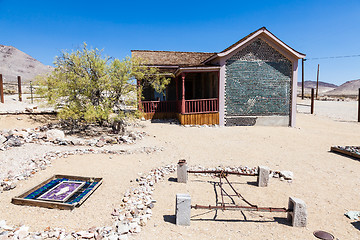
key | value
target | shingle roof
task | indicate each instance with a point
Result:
(171, 58)
(174, 58)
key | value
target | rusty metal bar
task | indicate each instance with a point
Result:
(225, 172)
(245, 208)
(221, 189)
(238, 194)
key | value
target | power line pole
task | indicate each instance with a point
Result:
(317, 82)
(302, 78)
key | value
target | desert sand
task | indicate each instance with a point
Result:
(327, 182)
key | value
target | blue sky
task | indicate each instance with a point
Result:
(317, 28)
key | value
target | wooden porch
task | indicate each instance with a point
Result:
(198, 105)
(195, 112)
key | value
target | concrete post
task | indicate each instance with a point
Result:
(183, 209)
(182, 174)
(263, 177)
(298, 215)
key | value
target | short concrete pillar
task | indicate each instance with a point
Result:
(182, 174)
(263, 177)
(183, 208)
(298, 214)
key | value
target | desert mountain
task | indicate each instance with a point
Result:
(350, 88)
(324, 87)
(14, 62)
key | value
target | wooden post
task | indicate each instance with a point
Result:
(317, 82)
(1, 89)
(139, 95)
(183, 93)
(359, 107)
(177, 88)
(302, 78)
(19, 88)
(312, 101)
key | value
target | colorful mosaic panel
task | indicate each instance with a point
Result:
(49, 190)
(258, 82)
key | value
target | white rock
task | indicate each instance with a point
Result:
(123, 237)
(86, 234)
(54, 134)
(123, 228)
(287, 175)
(2, 139)
(2, 223)
(133, 225)
(112, 236)
(22, 232)
(137, 229)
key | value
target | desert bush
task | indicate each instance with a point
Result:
(86, 87)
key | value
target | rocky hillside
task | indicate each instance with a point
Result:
(350, 88)
(14, 62)
(324, 87)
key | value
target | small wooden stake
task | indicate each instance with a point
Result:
(19, 88)
(1, 89)
(312, 101)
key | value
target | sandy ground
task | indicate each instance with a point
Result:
(24, 121)
(336, 110)
(12, 104)
(325, 181)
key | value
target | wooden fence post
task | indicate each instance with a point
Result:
(359, 106)
(1, 88)
(19, 88)
(312, 101)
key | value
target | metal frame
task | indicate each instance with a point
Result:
(223, 193)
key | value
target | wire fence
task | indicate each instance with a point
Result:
(18, 88)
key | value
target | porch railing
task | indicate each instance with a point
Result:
(191, 106)
(202, 105)
(159, 106)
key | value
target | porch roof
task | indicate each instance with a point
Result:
(169, 59)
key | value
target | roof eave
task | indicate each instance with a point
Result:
(197, 69)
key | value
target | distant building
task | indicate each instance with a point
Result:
(252, 82)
